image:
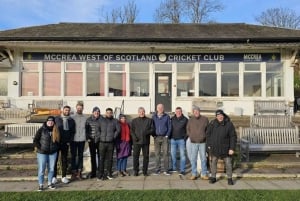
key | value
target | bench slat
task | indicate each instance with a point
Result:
(20, 133)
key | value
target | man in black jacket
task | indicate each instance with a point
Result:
(110, 130)
(178, 137)
(142, 128)
(67, 129)
(221, 142)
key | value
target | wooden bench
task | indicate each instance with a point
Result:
(206, 105)
(268, 140)
(20, 133)
(271, 121)
(270, 106)
(37, 105)
(14, 115)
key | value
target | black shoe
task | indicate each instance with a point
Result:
(145, 174)
(136, 174)
(230, 182)
(51, 186)
(100, 177)
(91, 176)
(181, 174)
(212, 180)
(41, 188)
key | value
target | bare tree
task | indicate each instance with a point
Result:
(194, 11)
(279, 17)
(169, 11)
(199, 10)
(125, 15)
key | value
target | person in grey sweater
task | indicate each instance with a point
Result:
(78, 143)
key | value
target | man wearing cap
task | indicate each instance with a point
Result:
(92, 128)
(221, 142)
(196, 128)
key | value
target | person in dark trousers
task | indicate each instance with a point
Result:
(46, 143)
(141, 129)
(123, 146)
(92, 128)
(78, 143)
(110, 130)
(67, 128)
(178, 137)
(162, 124)
(221, 143)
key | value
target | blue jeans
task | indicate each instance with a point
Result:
(46, 160)
(180, 144)
(198, 148)
(122, 164)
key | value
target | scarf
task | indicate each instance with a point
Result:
(125, 133)
(65, 122)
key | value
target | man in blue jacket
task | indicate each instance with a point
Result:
(162, 125)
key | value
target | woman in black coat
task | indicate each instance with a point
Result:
(46, 143)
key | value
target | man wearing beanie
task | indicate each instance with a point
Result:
(196, 128)
(93, 130)
(221, 142)
(67, 129)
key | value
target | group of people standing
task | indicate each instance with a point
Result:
(104, 134)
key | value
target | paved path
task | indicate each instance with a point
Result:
(157, 182)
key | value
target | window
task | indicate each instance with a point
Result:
(73, 79)
(3, 83)
(95, 79)
(30, 79)
(230, 79)
(139, 79)
(274, 79)
(52, 79)
(252, 80)
(185, 79)
(208, 80)
(117, 80)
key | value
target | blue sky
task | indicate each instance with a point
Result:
(24, 13)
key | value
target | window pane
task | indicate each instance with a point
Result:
(185, 84)
(52, 79)
(188, 67)
(73, 79)
(95, 79)
(117, 84)
(3, 83)
(139, 67)
(117, 67)
(139, 82)
(163, 67)
(274, 79)
(252, 67)
(30, 79)
(252, 84)
(207, 67)
(207, 84)
(230, 79)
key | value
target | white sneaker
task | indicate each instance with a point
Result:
(54, 180)
(65, 180)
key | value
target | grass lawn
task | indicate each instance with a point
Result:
(155, 195)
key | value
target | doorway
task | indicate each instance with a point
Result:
(163, 90)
